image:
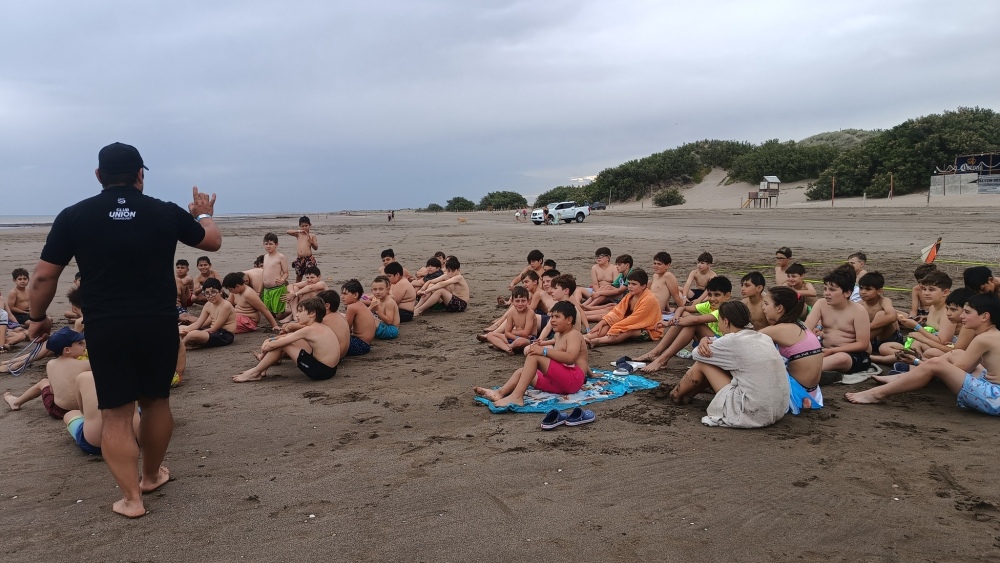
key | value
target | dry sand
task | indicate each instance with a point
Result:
(393, 461)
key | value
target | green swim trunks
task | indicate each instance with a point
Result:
(271, 296)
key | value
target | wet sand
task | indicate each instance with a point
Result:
(393, 461)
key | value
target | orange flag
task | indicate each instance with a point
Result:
(929, 253)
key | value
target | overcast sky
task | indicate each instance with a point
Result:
(321, 106)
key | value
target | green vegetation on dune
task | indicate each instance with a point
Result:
(860, 160)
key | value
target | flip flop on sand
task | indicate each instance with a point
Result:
(627, 368)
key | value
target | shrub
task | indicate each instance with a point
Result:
(668, 197)
(434, 207)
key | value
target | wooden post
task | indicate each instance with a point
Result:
(891, 185)
(833, 190)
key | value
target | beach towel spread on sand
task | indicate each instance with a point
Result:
(645, 315)
(605, 386)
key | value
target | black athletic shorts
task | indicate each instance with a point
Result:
(313, 368)
(132, 358)
(860, 361)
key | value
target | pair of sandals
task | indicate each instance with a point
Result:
(626, 366)
(577, 417)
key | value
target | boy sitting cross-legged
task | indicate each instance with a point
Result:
(690, 322)
(561, 368)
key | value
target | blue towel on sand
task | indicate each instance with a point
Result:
(606, 386)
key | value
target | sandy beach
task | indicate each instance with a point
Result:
(392, 460)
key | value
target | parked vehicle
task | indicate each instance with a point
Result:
(598, 205)
(566, 211)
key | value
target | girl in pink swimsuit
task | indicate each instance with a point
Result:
(799, 346)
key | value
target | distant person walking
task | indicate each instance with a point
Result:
(124, 243)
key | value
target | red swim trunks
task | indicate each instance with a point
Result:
(245, 324)
(560, 379)
(49, 400)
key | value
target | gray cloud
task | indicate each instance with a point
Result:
(320, 106)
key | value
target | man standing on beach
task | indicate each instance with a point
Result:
(124, 243)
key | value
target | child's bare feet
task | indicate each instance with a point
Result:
(248, 375)
(133, 509)
(157, 481)
(11, 399)
(862, 398)
(491, 394)
(655, 365)
(507, 401)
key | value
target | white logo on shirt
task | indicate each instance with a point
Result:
(121, 201)
(122, 214)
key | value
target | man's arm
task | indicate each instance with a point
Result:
(44, 282)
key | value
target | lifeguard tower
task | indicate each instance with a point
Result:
(766, 194)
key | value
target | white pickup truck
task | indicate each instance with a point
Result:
(566, 211)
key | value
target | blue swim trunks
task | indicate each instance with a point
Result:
(75, 428)
(358, 347)
(979, 394)
(385, 332)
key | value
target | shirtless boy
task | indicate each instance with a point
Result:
(332, 318)
(857, 262)
(936, 330)
(305, 243)
(752, 288)
(881, 314)
(388, 257)
(698, 278)
(603, 299)
(783, 257)
(561, 368)
(846, 336)
(86, 424)
(451, 290)
(254, 277)
(205, 272)
(249, 307)
(918, 309)
(957, 369)
(563, 288)
(74, 312)
(602, 273)
(363, 324)
(216, 326)
(520, 326)
(58, 388)
(310, 285)
(384, 307)
(274, 277)
(794, 275)
(664, 284)
(17, 299)
(535, 259)
(402, 291)
(185, 285)
(314, 347)
(980, 279)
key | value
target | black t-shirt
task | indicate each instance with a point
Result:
(124, 243)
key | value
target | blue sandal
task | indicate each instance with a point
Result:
(580, 416)
(552, 419)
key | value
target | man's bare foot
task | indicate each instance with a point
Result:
(862, 398)
(11, 399)
(886, 378)
(248, 375)
(134, 509)
(161, 478)
(491, 394)
(507, 401)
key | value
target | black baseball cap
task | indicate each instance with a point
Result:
(119, 158)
